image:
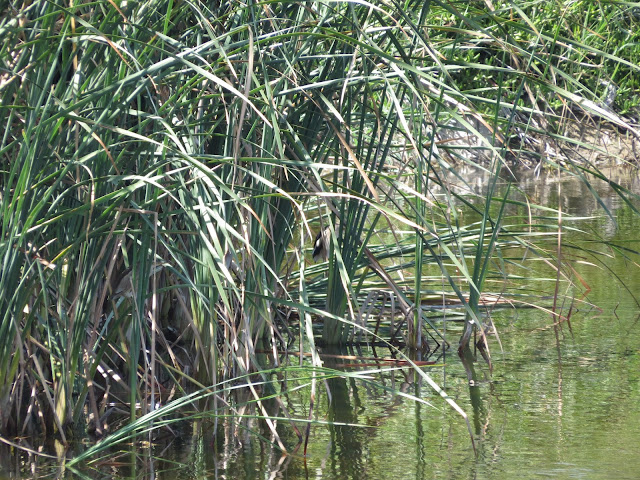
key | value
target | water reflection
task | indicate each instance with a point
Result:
(535, 416)
(355, 450)
(578, 194)
(478, 413)
(348, 454)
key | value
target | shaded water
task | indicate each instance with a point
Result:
(561, 404)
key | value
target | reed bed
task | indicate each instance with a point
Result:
(167, 165)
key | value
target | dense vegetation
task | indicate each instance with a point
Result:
(165, 167)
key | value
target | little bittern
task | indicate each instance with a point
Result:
(321, 245)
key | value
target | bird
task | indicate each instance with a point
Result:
(321, 245)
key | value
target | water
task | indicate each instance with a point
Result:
(560, 404)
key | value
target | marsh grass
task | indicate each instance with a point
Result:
(165, 166)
